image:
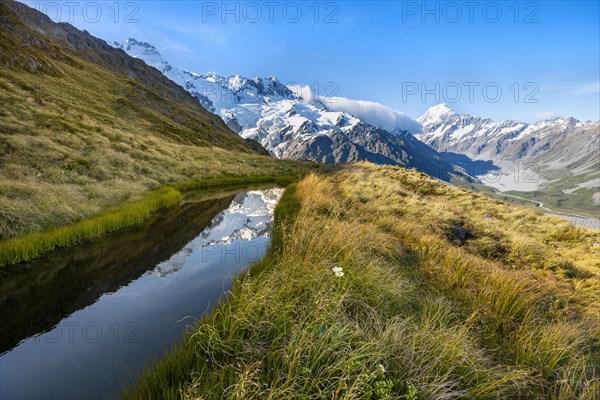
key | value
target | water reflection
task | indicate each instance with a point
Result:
(92, 351)
(248, 217)
(34, 297)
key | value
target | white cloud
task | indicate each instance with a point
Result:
(303, 91)
(374, 113)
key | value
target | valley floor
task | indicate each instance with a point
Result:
(445, 293)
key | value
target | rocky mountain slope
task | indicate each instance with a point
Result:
(290, 126)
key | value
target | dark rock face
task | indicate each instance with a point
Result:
(254, 145)
(208, 105)
(367, 143)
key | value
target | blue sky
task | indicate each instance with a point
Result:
(519, 60)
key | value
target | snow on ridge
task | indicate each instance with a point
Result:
(268, 111)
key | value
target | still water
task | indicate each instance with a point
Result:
(81, 322)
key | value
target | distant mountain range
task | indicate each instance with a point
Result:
(557, 160)
(557, 156)
(554, 161)
(485, 139)
(290, 126)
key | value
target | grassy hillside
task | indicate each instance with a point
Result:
(84, 128)
(445, 294)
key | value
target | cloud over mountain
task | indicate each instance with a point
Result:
(374, 113)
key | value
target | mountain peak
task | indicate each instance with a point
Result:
(144, 51)
(436, 113)
(133, 41)
(439, 109)
(136, 47)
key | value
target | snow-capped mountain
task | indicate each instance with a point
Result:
(559, 153)
(485, 139)
(290, 126)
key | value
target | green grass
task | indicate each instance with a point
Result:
(419, 312)
(25, 248)
(28, 247)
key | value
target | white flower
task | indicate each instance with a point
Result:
(381, 367)
(338, 271)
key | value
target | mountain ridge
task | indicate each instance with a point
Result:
(446, 130)
(291, 126)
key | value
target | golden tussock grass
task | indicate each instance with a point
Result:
(424, 309)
